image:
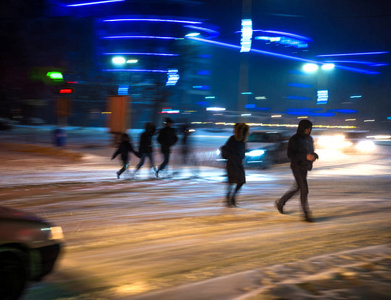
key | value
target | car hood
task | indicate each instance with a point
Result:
(14, 214)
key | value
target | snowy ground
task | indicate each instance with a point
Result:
(173, 239)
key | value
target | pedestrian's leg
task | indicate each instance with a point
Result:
(303, 185)
(125, 166)
(141, 163)
(165, 162)
(228, 196)
(233, 198)
(288, 195)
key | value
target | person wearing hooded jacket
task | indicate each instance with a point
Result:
(301, 154)
(234, 151)
(145, 146)
(167, 138)
(124, 148)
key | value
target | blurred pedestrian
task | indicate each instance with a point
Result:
(145, 146)
(234, 151)
(167, 138)
(124, 148)
(302, 155)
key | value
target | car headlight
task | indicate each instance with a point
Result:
(254, 153)
(55, 233)
(365, 146)
(218, 152)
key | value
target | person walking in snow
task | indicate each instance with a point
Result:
(302, 155)
(234, 151)
(124, 148)
(145, 146)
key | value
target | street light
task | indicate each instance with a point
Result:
(310, 68)
(118, 60)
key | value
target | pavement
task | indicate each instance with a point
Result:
(358, 274)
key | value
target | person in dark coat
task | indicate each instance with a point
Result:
(124, 148)
(145, 146)
(234, 151)
(302, 155)
(166, 138)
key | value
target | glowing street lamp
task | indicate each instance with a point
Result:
(328, 66)
(118, 60)
(310, 68)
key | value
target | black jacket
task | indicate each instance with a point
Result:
(299, 146)
(124, 148)
(235, 152)
(145, 142)
(167, 138)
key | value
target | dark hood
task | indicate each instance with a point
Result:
(303, 125)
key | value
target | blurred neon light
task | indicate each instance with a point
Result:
(215, 108)
(355, 96)
(369, 63)
(94, 3)
(213, 33)
(153, 20)
(352, 54)
(135, 70)
(140, 37)
(247, 34)
(279, 55)
(140, 53)
(193, 34)
(300, 37)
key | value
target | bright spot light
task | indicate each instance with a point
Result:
(132, 61)
(118, 60)
(328, 66)
(310, 68)
(276, 116)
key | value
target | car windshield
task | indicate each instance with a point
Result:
(355, 135)
(264, 137)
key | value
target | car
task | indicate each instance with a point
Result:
(264, 149)
(29, 249)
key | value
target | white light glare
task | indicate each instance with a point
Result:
(192, 34)
(310, 68)
(215, 108)
(328, 66)
(118, 60)
(132, 61)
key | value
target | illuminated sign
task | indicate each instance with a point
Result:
(247, 34)
(322, 96)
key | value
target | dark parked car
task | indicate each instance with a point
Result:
(264, 149)
(29, 248)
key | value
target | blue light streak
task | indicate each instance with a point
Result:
(140, 37)
(213, 33)
(153, 20)
(140, 53)
(93, 3)
(369, 63)
(280, 55)
(296, 36)
(353, 54)
(135, 70)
